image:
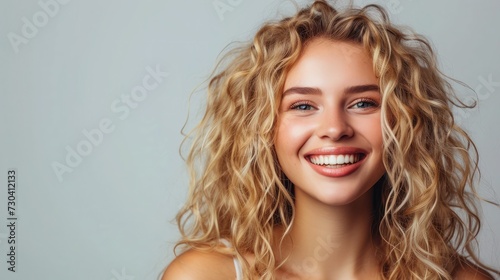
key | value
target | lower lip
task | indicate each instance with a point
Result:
(336, 171)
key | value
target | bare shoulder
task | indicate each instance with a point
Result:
(195, 265)
(468, 271)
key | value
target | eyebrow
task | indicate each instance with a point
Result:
(348, 90)
(361, 88)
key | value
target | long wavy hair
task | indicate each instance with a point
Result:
(427, 218)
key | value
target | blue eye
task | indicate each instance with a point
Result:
(363, 104)
(301, 107)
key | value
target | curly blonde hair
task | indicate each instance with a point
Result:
(427, 217)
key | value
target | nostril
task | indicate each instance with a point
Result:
(335, 129)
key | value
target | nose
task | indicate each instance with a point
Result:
(334, 125)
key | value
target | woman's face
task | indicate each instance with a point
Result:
(329, 139)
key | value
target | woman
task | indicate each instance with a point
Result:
(328, 150)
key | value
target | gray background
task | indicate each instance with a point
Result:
(110, 217)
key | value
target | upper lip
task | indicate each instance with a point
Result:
(335, 151)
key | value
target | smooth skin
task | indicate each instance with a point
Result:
(331, 102)
(330, 105)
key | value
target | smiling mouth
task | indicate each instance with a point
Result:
(335, 161)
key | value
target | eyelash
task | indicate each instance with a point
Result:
(295, 105)
(370, 102)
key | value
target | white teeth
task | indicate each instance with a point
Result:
(334, 159)
(340, 159)
(326, 159)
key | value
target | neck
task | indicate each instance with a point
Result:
(328, 242)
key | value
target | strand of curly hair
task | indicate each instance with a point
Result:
(428, 217)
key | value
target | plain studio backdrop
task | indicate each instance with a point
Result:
(94, 95)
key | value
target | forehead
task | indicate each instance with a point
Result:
(333, 63)
(347, 49)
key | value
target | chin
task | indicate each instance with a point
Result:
(338, 196)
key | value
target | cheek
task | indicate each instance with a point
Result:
(373, 133)
(371, 129)
(291, 135)
(282, 135)
(376, 132)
